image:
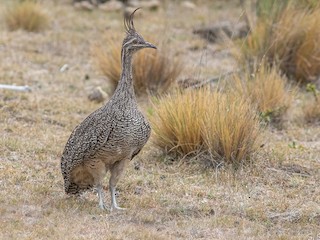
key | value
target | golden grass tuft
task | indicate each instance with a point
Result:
(26, 15)
(154, 71)
(289, 39)
(178, 121)
(268, 91)
(222, 124)
(231, 128)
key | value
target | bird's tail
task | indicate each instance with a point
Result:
(75, 189)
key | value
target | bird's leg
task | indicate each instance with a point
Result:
(116, 171)
(114, 205)
(101, 197)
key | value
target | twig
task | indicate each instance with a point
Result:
(15, 88)
(214, 79)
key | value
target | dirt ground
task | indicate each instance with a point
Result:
(278, 197)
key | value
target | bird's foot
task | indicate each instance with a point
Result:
(102, 206)
(117, 208)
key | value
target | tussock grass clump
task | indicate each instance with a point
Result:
(221, 124)
(154, 72)
(289, 38)
(268, 91)
(231, 128)
(178, 121)
(311, 107)
(26, 15)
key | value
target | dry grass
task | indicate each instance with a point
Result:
(225, 125)
(178, 121)
(288, 39)
(277, 197)
(268, 90)
(154, 72)
(231, 129)
(27, 15)
(311, 109)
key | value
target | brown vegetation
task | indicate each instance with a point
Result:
(288, 38)
(231, 129)
(154, 72)
(268, 91)
(27, 15)
(177, 121)
(311, 107)
(223, 124)
(274, 197)
(311, 111)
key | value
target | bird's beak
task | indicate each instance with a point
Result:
(149, 45)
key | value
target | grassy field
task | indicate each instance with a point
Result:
(276, 197)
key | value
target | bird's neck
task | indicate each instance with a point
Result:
(125, 85)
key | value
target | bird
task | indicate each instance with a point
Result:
(110, 136)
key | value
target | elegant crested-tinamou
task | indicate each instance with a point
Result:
(110, 136)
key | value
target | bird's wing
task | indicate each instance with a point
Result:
(86, 139)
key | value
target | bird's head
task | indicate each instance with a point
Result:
(133, 41)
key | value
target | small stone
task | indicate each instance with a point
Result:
(128, 10)
(98, 95)
(84, 5)
(215, 31)
(133, 3)
(138, 190)
(188, 82)
(211, 212)
(111, 6)
(64, 68)
(152, 4)
(188, 4)
(137, 166)
(291, 216)
(86, 77)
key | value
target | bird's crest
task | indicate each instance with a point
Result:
(128, 22)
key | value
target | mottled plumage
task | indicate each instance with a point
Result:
(110, 136)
